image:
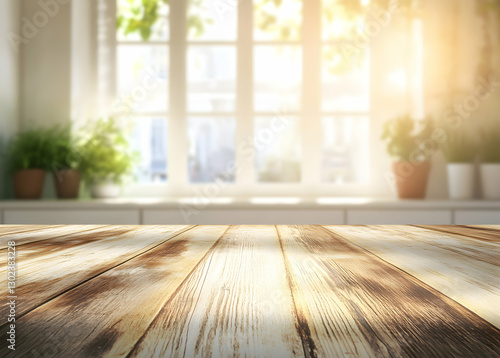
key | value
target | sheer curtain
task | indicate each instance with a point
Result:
(92, 59)
(454, 38)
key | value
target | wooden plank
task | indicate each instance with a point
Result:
(236, 303)
(458, 240)
(49, 267)
(472, 281)
(44, 233)
(486, 234)
(106, 316)
(351, 303)
(486, 227)
(10, 229)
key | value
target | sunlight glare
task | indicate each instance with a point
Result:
(398, 78)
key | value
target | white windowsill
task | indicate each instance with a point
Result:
(252, 203)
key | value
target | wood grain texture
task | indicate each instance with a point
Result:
(48, 267)
(44, 233)
(465, 270)
(474, 247)
(489, 234)
(10, 229)
(261, 291)
(107, 315)
(236, 303)
(486, 227)
(350, 303)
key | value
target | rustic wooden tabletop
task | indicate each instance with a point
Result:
(263, 291)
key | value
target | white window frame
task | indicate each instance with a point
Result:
(246, 184)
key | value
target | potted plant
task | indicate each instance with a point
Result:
(28, 155)
(490, 161)
(106, 158)
(408, 142)
(460, 151)
(65, 164)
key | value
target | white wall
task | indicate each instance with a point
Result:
(43, 92)
(46, 63)
(9, 74)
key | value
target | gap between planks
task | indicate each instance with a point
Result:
(91, 309)
(246, 310)
(470, 281)
(393, 313)
(13, 229)
(105, 268)
(490, 235)
(21, 239)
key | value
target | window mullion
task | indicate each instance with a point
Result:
(177, 122)
(244, 128)
(311, 93)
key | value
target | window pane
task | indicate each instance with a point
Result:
(211, 149)
(346, 80)
(278, 78)
(211, 78)
(135, 22)
(212, 20)
(277, 149)
(343, 20)
(143, 78)
(149, 138)
(277, 20)
(345, 149)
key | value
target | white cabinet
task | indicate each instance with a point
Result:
(243, 217)
(72, 217)
(399, 217)
(477, 217)
(171, 213)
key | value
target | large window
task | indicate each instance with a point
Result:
(246, 94)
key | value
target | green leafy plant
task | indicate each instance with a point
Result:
(141, 16)
(459, 147)
(64, 149)
(106, 153)
(30, 149)
(490, 143)
(407, 139)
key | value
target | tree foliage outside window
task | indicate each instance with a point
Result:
(139, 16)
(343, 22)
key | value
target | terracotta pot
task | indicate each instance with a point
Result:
(67, 183)
(28, 183)
(411, 179)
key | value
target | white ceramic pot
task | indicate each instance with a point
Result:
(460, 180)
(490, 180)
(105, 191)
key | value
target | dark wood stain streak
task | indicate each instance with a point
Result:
(451, 264)
(301, 325)
(62, 243)
(494, 228)
(489, 235)
(15, 229)
(458, 242)
(253, 291)
(220, 309)
(102, 344)
(45, 287)
(393, 306)
(111, 311)
(48, 233)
